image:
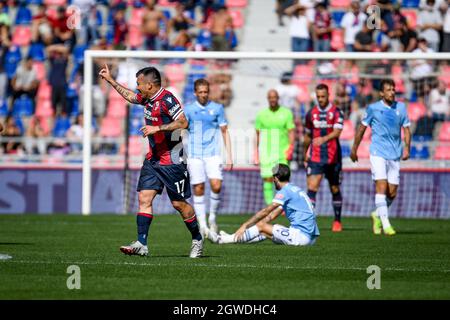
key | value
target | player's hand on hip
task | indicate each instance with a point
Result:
(354, 156)
(105, 74)
(405, 154)
(149, 130)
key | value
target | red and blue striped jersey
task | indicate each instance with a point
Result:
(166, 147)
(319, 123)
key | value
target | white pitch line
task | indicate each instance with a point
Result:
(220, 266)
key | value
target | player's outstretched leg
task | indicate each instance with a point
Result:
(383, 214)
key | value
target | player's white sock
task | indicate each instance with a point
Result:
(259, 238)
(250, 234)
(200, 211)
(214, 201)
(382, 210)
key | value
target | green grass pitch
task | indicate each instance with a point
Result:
(414, 264)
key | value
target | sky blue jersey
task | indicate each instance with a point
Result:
(298, 209)
(386, 123)
(205, 139)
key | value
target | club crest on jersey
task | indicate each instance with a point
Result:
(279, 196)
(330, 115)
(156, 106)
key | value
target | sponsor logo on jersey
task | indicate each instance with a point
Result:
(148, 115)
(321, 124)
(174, 109)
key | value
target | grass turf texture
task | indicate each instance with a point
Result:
(414, 263)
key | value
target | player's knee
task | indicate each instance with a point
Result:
(334, 189)
(180, 206)
(145, 201)
(392, 194)
(199, 189)
(216, 186)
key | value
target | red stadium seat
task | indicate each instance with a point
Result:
(51, 13)
(111, 127)
(364, 150)
(135, 146)
(416, 110)
(114, 95)
(238, 18)
(445, 75)
(44, 108)
(411, 17)
(39, 67)
(236, 3)
(166, 3)
(303, 95)
(367, 134)
(136, 17)
(340, 3)
(444, 132)
(44, 91)
(348, 132)
(303, 74)
(442, 152)
(117, 108)
(337, 39)
(397, 73)
(135, 38)
(174, 72)
(22, 36)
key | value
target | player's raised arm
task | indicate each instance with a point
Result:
(256, 218)
(127, 94)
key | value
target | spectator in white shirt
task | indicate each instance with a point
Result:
(299, 29)
(422, 70)
(446, 35)
(429, 23)
(439, 102)
(352, 23)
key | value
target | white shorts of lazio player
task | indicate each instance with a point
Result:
(383, 169)
(199, 169)
(291, 236)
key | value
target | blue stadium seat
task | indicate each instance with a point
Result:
(12, 59)
(23, 106)
(410, 3)
(136, 111)
(74, 106)
(345, 148)
(35, 2)
(37, 51)
(19, 124)
(78, 53)
(420, 151)
(99, 18)
(23, 15)
(421, 138)
(135, 125)
(337, 17)
(62, 124)
(3, 108)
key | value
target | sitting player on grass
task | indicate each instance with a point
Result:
(303, 228)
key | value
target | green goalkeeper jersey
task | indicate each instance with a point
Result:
(274, 129)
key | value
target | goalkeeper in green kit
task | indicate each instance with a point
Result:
(275, 137)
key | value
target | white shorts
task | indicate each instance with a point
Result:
(383, 169)
(199, 169)
(291, 236)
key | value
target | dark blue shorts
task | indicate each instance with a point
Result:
(332, 172)
(174, 177)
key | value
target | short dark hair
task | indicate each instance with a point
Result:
(282, 172)
(386, 82)
(200, 82)
(322, 86)
(150, 72)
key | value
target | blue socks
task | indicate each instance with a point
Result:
(192, 225)
(143, 221)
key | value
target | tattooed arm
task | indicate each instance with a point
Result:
(127, 94)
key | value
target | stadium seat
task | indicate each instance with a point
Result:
(367, 134)
(337, 17)
(3, 108)
(337, 39)
(135, 38)
(303, 74)
(238, 18)
(420, 151)
(136, 111)
(117, 108)
(37, 51)
(11, 60)
(340, 3)
(236, 3)
(397, 73)
(303, 94)
(35, 2)
(166, 3)
(23, 106)
(135, 146)
(410, 3)
(19, 124)
(348, 132)
(416, 110)
(44, 91)
(136, 17)
(134, 125)
(78, 53)
(174, 73)
(445, 75)
(364, 150)
(23, 15)
(411, 17)
(62, 124)
(444, 132)
(345, 150)
(55, 2)
(44, 108)
(114, 95)
(39, 67)
(442, 152)
(111, 127)
(22, 36)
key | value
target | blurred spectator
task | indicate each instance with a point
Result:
(446, 30)
(87, 32)
(309, 5)
(3, 82)
(11, 130)
(120, 28)
(221, 23)
(41, 30)
(63, 33)
(421, 70)
(75, 134)
(439, 101)
(322, 29)
(151, 30)
(25, 81)
(4, 17)
(386, 11)
(299, 29)
(352, 23)
(34, 142)
(363, 40)
(423, 3)
(361, 100)
(281, 6)
(408, 38)
(58, 56)
(424, 126)
(342, 100)
(429, 22)
(381, 39)
(182, 42)
(288, 94)
(179, 24)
